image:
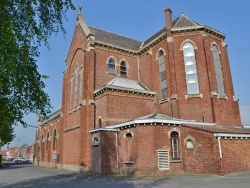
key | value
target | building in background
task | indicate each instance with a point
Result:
(165, 105)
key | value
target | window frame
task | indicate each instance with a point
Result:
(218, 72)
(123, 72)
(162, 74)
(174, 137)
(191, 71)
(111, 62)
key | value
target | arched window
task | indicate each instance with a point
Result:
(100, 122)
(71, 92)
(81, 86)
(47, 142)
(123, 69)
(111, 66)
(162, 71)
(129, 137)
(190, 68)
(175, 145)
(76, 86)
(54, 139)
(217, 65)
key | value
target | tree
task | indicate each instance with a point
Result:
(25, 25)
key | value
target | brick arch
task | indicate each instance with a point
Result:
(188, 40)
(214, 43)
(160, 49)
(112, 57)
(174, 129)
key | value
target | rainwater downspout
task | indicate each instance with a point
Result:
(220, 152)
(117, 159)
(138, 64)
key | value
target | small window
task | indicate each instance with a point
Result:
(71, 92)
(190, 144)
(123, 69)
(175, 145)
(218, 72)
(81, 86)
(163, 160)
(96, 141)
(190, 68)
(111, 66)
(162, 72)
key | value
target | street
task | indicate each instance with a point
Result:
(26, 175)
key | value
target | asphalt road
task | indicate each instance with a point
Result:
(26, 175)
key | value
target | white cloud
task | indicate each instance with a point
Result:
(245, 114)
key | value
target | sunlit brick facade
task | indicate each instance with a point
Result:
(161, 106)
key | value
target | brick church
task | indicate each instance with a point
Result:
(165, 105)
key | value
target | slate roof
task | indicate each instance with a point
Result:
(184, 21)
(220, 129)
(115, 40)
(125, 84)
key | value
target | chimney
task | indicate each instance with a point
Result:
(168, 17)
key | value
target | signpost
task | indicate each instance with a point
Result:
(54, 157)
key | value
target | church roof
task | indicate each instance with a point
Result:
(119, 41)
(184, 21)
(221, 129)
(125, 84)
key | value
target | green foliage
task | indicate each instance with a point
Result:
(25, 25)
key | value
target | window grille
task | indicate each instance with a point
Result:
(163, 160)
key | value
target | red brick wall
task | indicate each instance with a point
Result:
(235, 155)
(204, 158)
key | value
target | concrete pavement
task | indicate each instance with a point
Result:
(26, 175)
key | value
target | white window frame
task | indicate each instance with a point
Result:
(81, 86)
(76, 86)
(71, 92)
(111, 70)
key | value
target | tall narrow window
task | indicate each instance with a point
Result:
(71, 92)
(111, 66)
(190, 69)
(162, 71)
(54, 140)
(123, 69)
(175, 145)
(47, 142)
(217, 65)
(81, 86)
(76, 86)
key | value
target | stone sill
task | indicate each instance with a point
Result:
(177, 161)
(129, 162)
(164, 100)
(198, 95)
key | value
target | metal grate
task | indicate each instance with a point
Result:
(163, 160)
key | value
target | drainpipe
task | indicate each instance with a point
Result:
(138, 68)
(117, 159)
(220, 152)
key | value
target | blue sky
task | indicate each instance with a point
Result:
(139, 19)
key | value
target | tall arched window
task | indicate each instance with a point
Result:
(217, 65)
(162, 71)
(54, 139)
(175, 145)
(81, 86)
(190, 68)
(71, 92)
(76, 86)
(47, 142)
(129, 143)
(111, 66)
(123, 69)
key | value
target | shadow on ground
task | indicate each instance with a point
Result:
(80, 180)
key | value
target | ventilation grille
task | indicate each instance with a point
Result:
(163, 160)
